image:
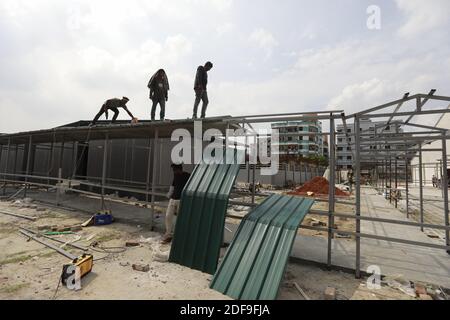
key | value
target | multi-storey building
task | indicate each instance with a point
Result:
(345, 143)
(301, 138)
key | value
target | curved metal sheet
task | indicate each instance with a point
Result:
(201, 218)
(254, 264)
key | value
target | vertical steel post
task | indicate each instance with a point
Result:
(420, 187)
(104, 168)
(58, 186)
(30, 144)
(331, 190)
(445, 189)
(6, 165)
(50, 162)
(396, 181)
(407, 186)
(358, 197)
(155, 144)
(147, 180)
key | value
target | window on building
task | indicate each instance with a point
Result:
(340, 149)
(339, 139)
(349, 158)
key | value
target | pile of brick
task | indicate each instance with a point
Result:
(317, 186)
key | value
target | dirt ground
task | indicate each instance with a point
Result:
(29, 270)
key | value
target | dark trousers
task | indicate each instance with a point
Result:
(102, 111)
(203, 96)
(162, 104)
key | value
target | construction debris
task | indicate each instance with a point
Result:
(317, 186)
(19, 215)
(300, 290)
(330, 293)
(141, 267)
(132, 244)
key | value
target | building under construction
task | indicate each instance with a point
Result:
(389, 164)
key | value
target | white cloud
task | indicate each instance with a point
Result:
(264, 39)
(423, 16)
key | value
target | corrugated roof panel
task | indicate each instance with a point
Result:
(254, 264)
(200, 223)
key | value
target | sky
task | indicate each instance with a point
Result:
(60, 60)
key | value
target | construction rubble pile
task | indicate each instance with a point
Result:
(317, 186)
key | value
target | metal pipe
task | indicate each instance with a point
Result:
(6, 165)
(358, 198)
(104, 167)
(30, 143)
(155, 144)
(445, 189)
(421, 187)
(331, 190)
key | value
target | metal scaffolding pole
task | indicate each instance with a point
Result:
(30, 144)
(358, 198)
(6, 165)
(331, 191)
(104, 168)
(421, 187)
(445, 189)
(407, 187)
(149, 157)
(155, 144)
(50, 161)
(396, 182)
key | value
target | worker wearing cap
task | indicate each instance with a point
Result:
(114, 105)
(180, 178)
(201, 81)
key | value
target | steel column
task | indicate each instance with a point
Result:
(331, 191)
(445, 189)
(358, 198)
(104, 168)
(421, 187)
(155, 144)
(30, 144)
(6, 165)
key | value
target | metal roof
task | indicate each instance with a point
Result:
(254, 263)
(80, 131)
(201, 218)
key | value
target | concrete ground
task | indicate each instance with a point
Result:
(412, 262)
(30, 271)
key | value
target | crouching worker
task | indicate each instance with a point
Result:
(180, 178)
(114, 105)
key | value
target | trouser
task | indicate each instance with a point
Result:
(200, 95)
(171, 212)
(162, 104)
(103, 110)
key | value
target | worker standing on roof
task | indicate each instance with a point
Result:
(180, 178)
(114, 105)
(159, 87)
(201, 81)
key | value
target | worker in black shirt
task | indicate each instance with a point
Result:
(159, 87)
(180, 178)
(114, 105)
(201, 81)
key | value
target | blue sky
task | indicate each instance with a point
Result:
(61, 59)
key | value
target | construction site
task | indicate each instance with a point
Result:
(93, 199)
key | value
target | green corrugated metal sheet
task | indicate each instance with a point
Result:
(201, 218)
(254, 264)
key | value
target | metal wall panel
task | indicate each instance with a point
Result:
(201, 218)
(254, 264)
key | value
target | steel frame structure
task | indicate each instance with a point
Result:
(378, 161)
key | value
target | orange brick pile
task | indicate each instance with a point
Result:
(319, 186)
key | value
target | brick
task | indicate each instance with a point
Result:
(425, 297)
(141, 267)
(330, 293)
(420, 289)
(132, 244)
